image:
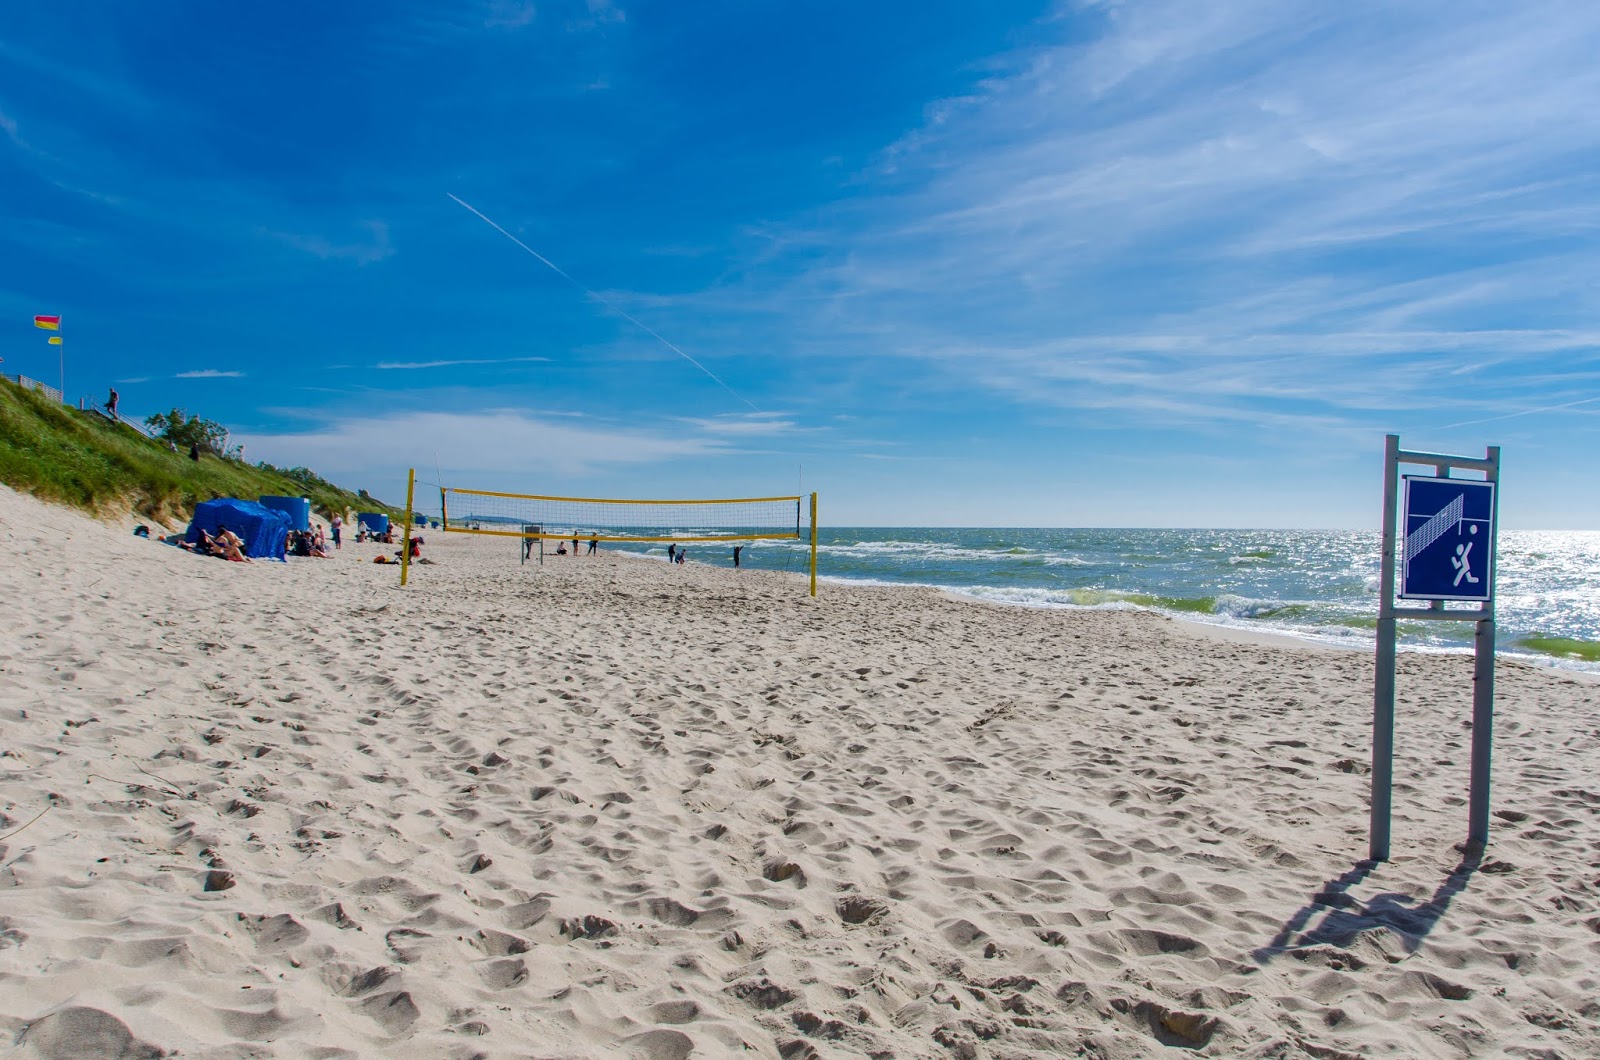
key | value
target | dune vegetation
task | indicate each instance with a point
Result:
(83, 459)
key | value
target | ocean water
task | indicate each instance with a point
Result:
(1317, 585)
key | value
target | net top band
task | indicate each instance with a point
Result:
(616, 500)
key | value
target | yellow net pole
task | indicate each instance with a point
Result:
(405, 547)
(813, 544)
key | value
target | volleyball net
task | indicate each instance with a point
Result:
(535, 517)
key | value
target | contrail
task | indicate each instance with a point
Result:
(624, 314)
(1514, 415)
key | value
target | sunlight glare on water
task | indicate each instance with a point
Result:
(1319, 585)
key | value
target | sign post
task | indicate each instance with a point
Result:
(1446, 554)
(405, 538)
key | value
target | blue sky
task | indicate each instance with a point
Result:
(1081, 264)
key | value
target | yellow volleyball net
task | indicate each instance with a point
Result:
(537, 518)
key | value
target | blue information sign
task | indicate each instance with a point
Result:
(1448, 529)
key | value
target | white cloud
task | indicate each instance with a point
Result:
(497, 445)
(209, 373)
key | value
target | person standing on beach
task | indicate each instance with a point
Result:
(672, 553)
(594, 543)
(736, 550)
(337, 525)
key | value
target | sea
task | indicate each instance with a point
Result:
(1319, 586)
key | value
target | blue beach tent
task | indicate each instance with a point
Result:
(298, 509)
(376, 522)
(263, 530)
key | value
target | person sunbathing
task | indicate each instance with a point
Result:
(232, 547)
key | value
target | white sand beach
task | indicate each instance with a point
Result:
(612, 808)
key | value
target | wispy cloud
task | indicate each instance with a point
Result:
(510, 14)
(598, 13)
(405, 365)
(756, 424)
(1224, 215)
(374, 248)
(8, 125)
(209, 373)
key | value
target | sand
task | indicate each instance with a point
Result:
(612, 808)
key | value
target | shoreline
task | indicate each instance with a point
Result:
(1275, 637)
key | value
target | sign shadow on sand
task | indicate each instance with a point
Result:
(1334, 917)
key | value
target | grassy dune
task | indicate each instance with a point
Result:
(81, 459)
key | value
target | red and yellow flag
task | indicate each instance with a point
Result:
(48, 323)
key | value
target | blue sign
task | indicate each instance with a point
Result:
(1448, 528)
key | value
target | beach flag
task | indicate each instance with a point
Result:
(48, 323)
(55, 340)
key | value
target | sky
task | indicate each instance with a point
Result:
(1002, 264)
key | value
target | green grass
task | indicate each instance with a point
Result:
(60, 454)
(1564, 647)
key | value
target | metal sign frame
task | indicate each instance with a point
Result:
(1483, 647)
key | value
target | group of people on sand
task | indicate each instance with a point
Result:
(416, 550)
(677, 554)
(225, 545)
(561, 549)
(309, 543)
